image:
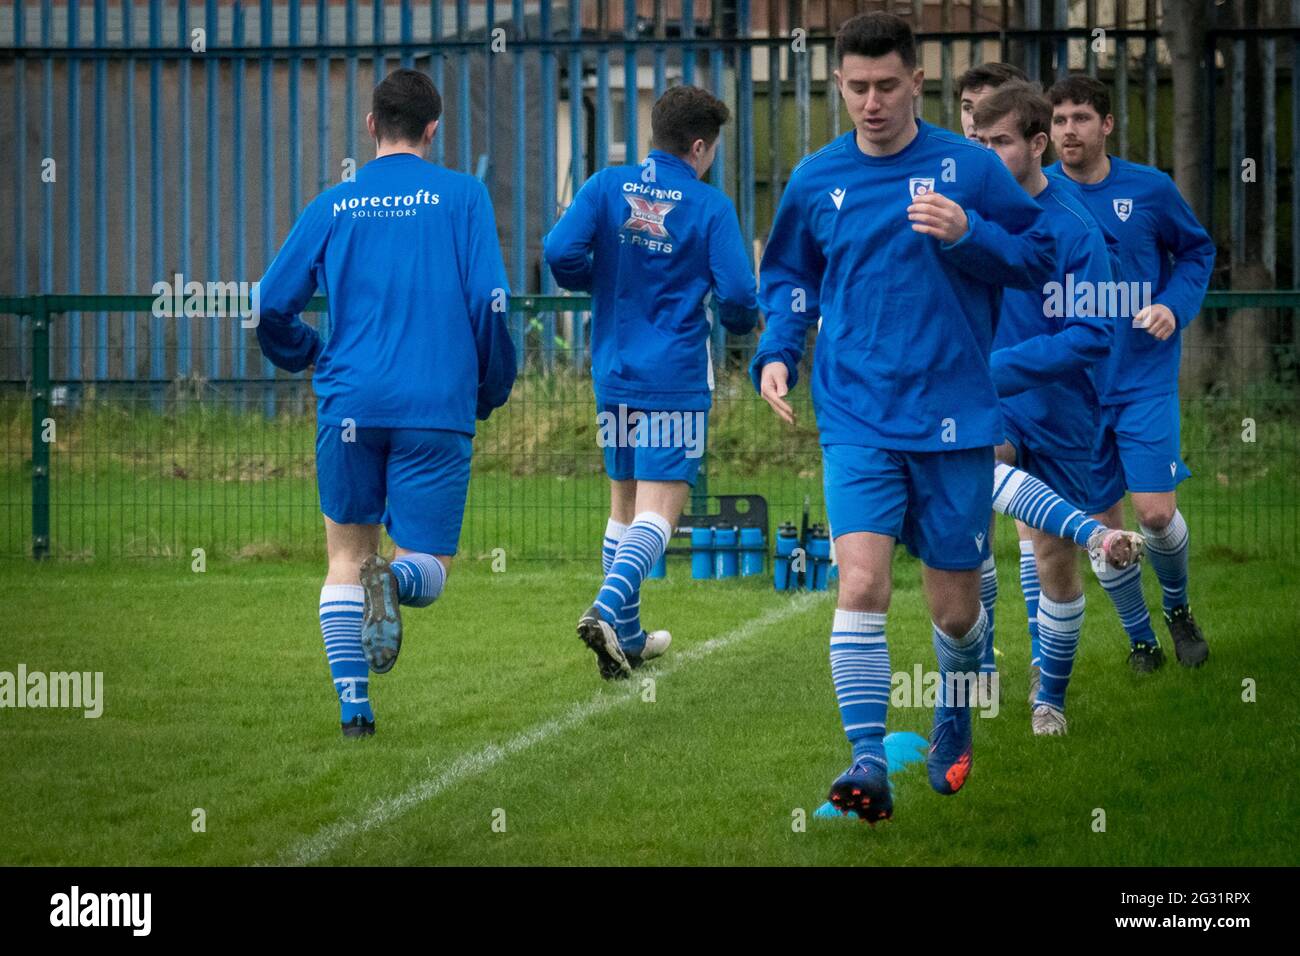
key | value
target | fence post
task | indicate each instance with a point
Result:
(40, 410)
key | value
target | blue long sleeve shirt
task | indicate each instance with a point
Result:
(407, 254)
(1163, 244)
(650, 242)
(1048, 340)
(902, 358)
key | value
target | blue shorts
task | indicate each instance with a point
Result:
(1070, 478)
(937, 503)
(651, 446)
(1138, 449)
(411, 480)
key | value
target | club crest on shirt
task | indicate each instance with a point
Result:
(916, 186)
(1123, 208)
(648, 216)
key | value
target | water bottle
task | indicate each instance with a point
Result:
(726, 557)
(751, 551)
(819, 557)
(701, 553)
(787, 536)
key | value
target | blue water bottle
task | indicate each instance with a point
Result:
(701, 553)
(751, 551)
(819, 557)
(660, 567)
(787, 536)
(724, 550)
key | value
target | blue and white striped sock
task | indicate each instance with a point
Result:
(1167, 552)
(860, 670)
(989, 598)
(1029, 587)
(628, 625)
(640, 547)
(614, 531)
(420, 579)
(1058, 634)
(1021, 495)
(1125, 590)
(340, 625)
(959, 662)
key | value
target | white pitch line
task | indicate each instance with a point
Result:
(470, 765)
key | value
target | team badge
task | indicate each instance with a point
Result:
(916, 186)
(1123, 208)
(648, 216)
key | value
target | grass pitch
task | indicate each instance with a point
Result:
(498, 744)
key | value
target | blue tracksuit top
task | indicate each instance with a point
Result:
(407, 254)
(902, 358)
(1161, 243)
(1049, 340)
(649, 242)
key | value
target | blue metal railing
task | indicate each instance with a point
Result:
(212, 178)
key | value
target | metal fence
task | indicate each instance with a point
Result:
(210, 125)
(128, 468)
(150, 140)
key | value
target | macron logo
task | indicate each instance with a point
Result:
(837, 196)
(979, 541)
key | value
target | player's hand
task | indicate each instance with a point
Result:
(937, 215)
(774, 390)
(1157, 320)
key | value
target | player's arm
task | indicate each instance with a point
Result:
(789, 286)
(998, 240)
(1183, 236)
(733, 280)
(567, 248)
(1083, 341)
(487, 296)
(282, 294)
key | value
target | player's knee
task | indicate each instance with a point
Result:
(864, 588)
(1155, 515)
(957, 621)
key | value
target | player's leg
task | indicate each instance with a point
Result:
(945, 526)
(1124, 588)
(1147, 432)
(959, 629)
(658, 505)
(427, 475)
(1031, 501)
(1005, 453)
(1031, 588)
(1060, 619)
(350, 478)
(866, 498)
(622, 511)
(664, 459)
(341, 614)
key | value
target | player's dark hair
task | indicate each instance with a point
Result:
(876, 34)
(1084, 90)
(1025, 101)
(683, 115)
(403, 105)
(990, 75)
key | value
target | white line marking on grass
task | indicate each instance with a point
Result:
(480, 761)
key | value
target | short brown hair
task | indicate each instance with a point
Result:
(876, 34)
(991, 75)
(403, 105)
(1026, 101)
(683, 115)
(1084, 90)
